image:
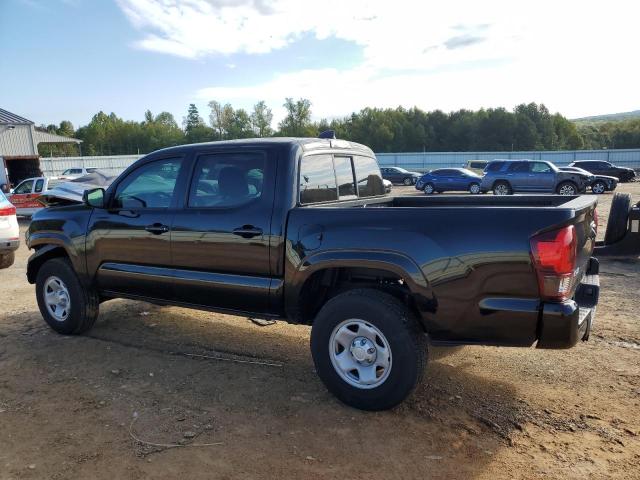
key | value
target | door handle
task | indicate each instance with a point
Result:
(247, 231)
(157, 228)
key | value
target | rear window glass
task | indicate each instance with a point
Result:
(317, 179)
(368, 176)
(477, 164)
(344, 175)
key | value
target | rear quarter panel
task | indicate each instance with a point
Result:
(463, 256)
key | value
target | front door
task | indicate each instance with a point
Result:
(541, 177)
(128, 242)
(220, 238)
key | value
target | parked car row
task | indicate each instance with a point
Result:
(505, 177)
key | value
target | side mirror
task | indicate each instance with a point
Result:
(94, 197)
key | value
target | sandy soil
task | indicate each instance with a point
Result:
(72, 407)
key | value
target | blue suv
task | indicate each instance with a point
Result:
(506, 177)
(448, 180)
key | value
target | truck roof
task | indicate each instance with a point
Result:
(305, 143)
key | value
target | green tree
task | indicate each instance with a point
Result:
(261, 119)
(297, 122)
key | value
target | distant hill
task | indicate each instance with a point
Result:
(610, 117)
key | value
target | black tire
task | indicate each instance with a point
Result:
(565, 187)
(476, 190)
(405, 338)
(598, 187)
(84, 303)
(498, 187)
(429, 188)
(407, 181)
(7, 259)
(618, 218)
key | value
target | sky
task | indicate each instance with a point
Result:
(69, 59)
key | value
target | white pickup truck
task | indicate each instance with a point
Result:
(25, 196)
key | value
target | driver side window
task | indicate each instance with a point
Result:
(24, 187)
(150, 186)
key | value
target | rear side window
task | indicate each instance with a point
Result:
(519, 167)
(317, 179)
(368, 177)
(494, 166)
(39, 185)
(477, 164)
(227, 179)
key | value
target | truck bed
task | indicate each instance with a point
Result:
(468, 256)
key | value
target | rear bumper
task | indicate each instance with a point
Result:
(7, 246)
(563, 324)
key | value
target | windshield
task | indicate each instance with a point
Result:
(401, 170)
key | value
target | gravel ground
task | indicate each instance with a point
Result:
(138, 398)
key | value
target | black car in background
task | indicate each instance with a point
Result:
(400, 175)
(600, 167)
(600, 183)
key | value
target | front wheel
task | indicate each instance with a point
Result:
(65, 303)
(428, 188)
(598, 187)
(368, 349)
(567, 188)
(408, 181)
(474, 188)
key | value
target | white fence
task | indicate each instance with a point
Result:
(419, 161)
(53, 166)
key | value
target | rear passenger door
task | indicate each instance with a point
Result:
(220, 235)
(518, 176)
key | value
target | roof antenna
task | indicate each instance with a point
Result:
(328, 134)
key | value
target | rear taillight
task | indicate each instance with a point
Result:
(554, 258)
(6, 211)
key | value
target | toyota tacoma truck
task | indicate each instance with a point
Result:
(301, 230)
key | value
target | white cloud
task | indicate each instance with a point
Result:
(578, 57)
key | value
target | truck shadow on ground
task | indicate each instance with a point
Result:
(133, 360)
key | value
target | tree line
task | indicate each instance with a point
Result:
(526, 127)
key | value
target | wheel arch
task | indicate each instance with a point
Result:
(501, 180)
(322, 276)
(42, 254)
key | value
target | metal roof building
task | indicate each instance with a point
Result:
(19, 141)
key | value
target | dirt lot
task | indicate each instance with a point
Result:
(70, 407)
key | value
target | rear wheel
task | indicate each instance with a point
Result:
(502, 188)
(368, 349)
(407, 181)
(567, 188)
(66, 305)
(428, 188)
(598, 187)
(474, 188)
(618, 218)
(7, 259)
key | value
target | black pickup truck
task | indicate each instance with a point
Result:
(301, 230)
